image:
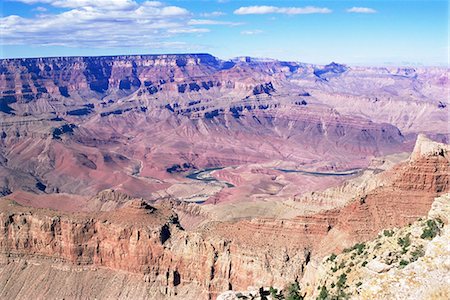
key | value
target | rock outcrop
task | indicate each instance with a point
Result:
(95, 123)
(97, 153)
(408, 263)
(149, 242)
(145, 241)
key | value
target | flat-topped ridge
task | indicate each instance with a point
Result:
(426, 147)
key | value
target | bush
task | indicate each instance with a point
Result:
(388, 233)
(418, 252)
(431, 230)
(359, 247)
(403, 263)
(275, 294)
(404, 243)
(332, 257)
(293, 292)
(323, 293)
(342, 295)
(341, 281)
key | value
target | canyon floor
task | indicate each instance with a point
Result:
(186, 176)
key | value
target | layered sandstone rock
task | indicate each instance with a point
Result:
(80, 125)
(139, 239)
(405, 263)
(148, 241)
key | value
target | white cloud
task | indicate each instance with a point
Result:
(213, 14)
(40, 9)
(152, 3)
(251, 32)
(173, 11)
(100, 24)
(261, 10)
(107, 4)
(189, 30)
(212, 22)
(361, 10)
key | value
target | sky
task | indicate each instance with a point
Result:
(371, 32)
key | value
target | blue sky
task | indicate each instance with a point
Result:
(408, 32)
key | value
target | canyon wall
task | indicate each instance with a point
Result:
(69, 122)
(150, 244)
(144, 241)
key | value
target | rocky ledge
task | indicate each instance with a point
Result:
(146, 248)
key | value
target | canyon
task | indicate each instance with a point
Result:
(184, 176)
(146, 248)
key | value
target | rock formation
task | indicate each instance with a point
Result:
(409, 262)
(183, 176)
(70, 122)
(161, 258)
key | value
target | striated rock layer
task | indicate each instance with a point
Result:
(405, 194)
(411, 262)
(142, 240)
(140, 123)
(163, 260)
(425, 278)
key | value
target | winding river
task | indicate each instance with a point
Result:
(205, 176)
(338, 173)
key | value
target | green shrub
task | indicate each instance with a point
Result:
(403, 263)
(332, 257)
(431, 230)
(418, 252)
(359, 247)
(404, 243)
(293, 292)
(388, 233)
(323, 293)
(341, 295)
(274, 293)
(341, 281)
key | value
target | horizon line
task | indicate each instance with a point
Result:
(358, 64)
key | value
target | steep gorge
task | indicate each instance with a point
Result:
(149, 243)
